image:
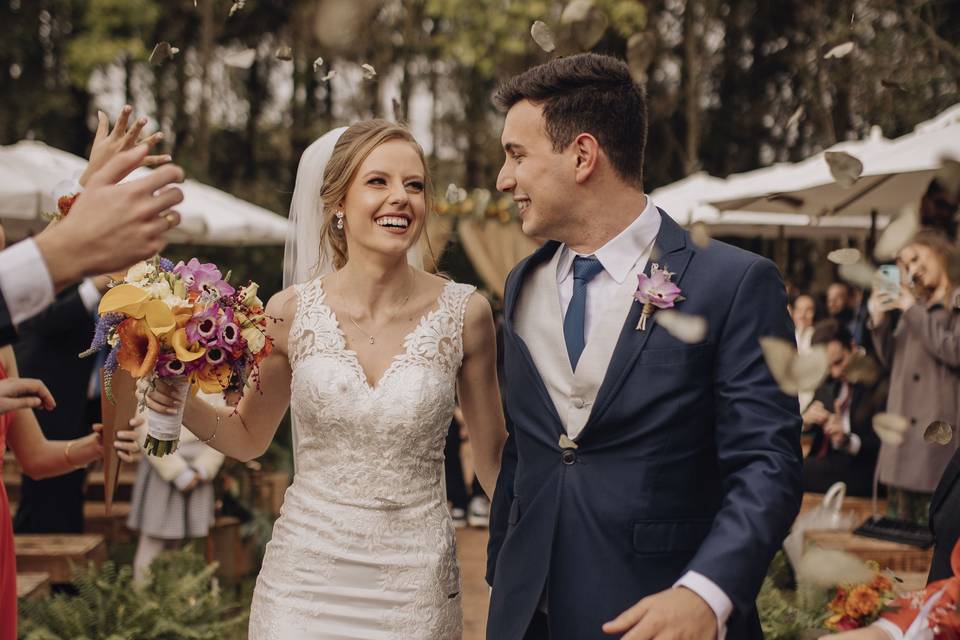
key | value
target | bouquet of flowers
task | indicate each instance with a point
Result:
(857, 605)
(184, 323)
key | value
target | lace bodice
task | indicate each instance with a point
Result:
(364, 546)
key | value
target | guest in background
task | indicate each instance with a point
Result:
(803, 311)
(173, 497)
(845, 446)
(48, 349)
(840, 304)
(39, 458)
(917, 336)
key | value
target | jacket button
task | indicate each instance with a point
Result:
(916, 377)
(578, 403)
(568, 457)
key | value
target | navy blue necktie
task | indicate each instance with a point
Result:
(584, 270)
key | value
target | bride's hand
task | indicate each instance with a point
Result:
(108, 143)
(164, 398)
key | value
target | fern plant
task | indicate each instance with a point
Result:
(181, 599)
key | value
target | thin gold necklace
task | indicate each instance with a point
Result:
(371, 338)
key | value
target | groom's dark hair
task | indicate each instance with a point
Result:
(587, 93)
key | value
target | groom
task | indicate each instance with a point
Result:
(647, 482)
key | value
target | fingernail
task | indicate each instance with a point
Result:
(127, 108)
(101, 114)
(160, 135)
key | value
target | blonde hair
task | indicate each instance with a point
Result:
(353, 147)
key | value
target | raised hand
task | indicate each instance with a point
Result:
(24, 393)
(113, 226)
(107, 144)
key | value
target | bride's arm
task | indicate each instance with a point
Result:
(479, 391)
(246, 433)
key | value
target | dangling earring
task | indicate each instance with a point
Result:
(339, 220)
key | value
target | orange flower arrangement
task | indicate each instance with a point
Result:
(139, 348)
(857, 605)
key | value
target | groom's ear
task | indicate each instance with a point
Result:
(586, 152)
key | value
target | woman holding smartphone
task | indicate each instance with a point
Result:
(916, 334)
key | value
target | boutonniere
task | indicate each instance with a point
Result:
(655, 291)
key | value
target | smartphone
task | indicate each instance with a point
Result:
(888, 279)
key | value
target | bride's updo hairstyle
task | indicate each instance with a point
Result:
(353, 147)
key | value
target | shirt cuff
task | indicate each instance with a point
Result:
(184, 479)
(25, 281)
(89, 294)
(889, 628)
(202, 473)
(713, 595)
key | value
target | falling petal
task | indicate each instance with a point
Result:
(162, 51)
(317, 64)
(844, 256)
(453, 193)
(862, 369)
(795, 118)
(587, 22)
(330, 75)
(897, 234)
(700, 234)
(844, 168)
(576, 11)
(893, 84)
(949, 178)
(794, 372)
(938, 432)
(543, 36)
(368, 71)
(826, 568)
(243, 59)
(859, 274)
(682, 326)
(284, 53)
(236, 6)
(840, 51)
(890, 427)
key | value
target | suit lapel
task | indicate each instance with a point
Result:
(673, 254)
(511, 297)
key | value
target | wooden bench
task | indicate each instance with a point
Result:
(226, 546)
(268, 488)
(124, 490)
(889, 555)
(33, 585)
(113, 527)
(58, 554)
(862, 508)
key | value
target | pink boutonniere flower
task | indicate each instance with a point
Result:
(655, 291)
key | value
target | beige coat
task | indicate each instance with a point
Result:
(923, 350)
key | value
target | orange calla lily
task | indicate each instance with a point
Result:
(124, 298)
(182, 347)
(182, 316)
(159, 317)
(139, 348)
(213, 379)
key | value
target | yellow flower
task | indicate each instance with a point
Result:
(159, 317)
(185, 353)
(254, 337)
(213, 379)
(124, 298)
(862, 601)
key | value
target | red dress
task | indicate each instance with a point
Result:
(8, 569)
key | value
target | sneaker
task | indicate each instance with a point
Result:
(478, 513)
(459, 517)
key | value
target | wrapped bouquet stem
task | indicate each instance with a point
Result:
(163, 429)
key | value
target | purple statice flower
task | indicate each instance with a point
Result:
(165, 264)
(202, 277)
(105, 324)
(110, 364)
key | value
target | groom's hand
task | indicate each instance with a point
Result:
(674, 614)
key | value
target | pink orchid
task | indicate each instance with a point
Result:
(656, 289)
(198, 277)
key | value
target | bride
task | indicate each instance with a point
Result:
(369, 353)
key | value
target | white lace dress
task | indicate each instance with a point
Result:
(364, 547)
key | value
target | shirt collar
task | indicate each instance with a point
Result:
(619, 255)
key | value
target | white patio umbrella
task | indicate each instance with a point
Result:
(29, 172)
(684, 200)
(895, 174)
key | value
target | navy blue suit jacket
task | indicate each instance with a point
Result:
(690, 459)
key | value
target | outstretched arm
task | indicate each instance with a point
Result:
(244, 433)
(479, 391)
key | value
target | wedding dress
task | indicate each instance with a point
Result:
(364, 546)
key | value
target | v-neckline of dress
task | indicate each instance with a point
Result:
(397, 359)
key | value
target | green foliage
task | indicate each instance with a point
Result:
(115, 30)
(782, 617)
(180, 600)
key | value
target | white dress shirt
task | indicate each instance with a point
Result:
(632, 248)
(25, 281)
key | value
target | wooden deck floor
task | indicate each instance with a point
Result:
(472, 551)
